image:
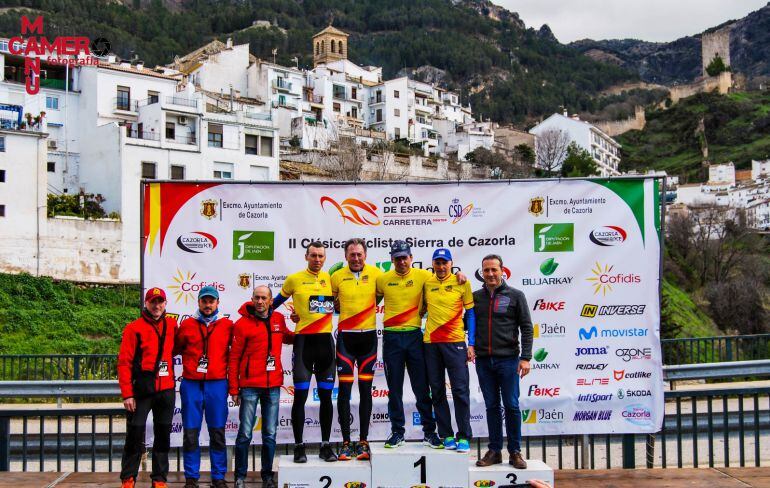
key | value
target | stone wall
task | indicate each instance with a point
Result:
(617, 127)
(720, 84)
(713, 45)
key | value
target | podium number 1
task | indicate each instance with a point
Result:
(327, 480)
(421, 463)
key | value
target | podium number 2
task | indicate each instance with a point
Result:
(511, 477)
(421, 463)
(327, 480)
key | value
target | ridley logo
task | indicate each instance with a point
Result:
(359, 212)
(609, 235)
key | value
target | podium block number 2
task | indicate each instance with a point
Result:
(423, 472)
(326, 480)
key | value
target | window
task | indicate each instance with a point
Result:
(223, 171)
(259, 173)
(336, 107)
(397, 133)
(266, 146)
(2, 210)
(170, 130)
(51, 103)
(282, 100)
(354, 112)
(251, 144)
(354, 93)
(215, 135)
(2, 176)
(338, 91)
(123, 102)
(152, 97)
(51, 167)
(397, 112)
(2, 143)
(395, 94)
(379, 115)
(177, 172)
(149, 170)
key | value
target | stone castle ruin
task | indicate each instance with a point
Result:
(715, 44)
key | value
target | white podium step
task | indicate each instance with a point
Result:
(501, 475)
(416, 465)
(317, 473)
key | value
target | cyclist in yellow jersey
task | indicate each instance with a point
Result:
(402, 344)
(355, 290)
(450, 309)
(311, 291)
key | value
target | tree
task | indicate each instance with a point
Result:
(525, 154)
(578, 162)
(551, 149)
(716, 66)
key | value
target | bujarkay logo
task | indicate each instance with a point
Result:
(252, 245)
(547, 268)
(554, 237)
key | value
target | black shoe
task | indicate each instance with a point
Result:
(268, 483)
(299, 453)
(327, 453)
(191, 483)
(219, 484)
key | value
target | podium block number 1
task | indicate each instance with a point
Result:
(423, 471)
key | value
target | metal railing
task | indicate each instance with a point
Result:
(716, 349)
(177, 139)
(58, 367)
(126, 104)
(187, 102)
(143, 134)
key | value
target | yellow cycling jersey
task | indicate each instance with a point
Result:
(357, 297)
(403, 297)
(446, 299)
(313, 300)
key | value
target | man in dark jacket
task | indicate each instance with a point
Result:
(146, 378)
(501, 314)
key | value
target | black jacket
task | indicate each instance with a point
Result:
(499, 319)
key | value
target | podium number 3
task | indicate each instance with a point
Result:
(421, 463)
(327, 480)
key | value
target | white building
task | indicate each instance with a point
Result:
(721, 176)
(760, 169)
(603, 148)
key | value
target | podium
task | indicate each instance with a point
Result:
(504, 474)
(412, 465)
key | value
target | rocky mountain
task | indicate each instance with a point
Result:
(680, 61)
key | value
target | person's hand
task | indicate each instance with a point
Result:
(523, 368)
(236, 399)
(294, 317)
(461, 277)
(539, 484)
(471, 354)
(130, 405)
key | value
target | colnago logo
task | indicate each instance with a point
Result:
(605, 278)
(594, 398)
(554, 237)
(609, 235)
(538, 391)
(634, 353)
(591, 367)
(589, 415)
(591, 351)
(586, 334)
(548, 330)
(592, 381)
(353, 210)
(544, 305)
(196, 242)
(637, 414)
(592, 311)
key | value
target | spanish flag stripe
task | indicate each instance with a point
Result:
(401, 318)
(317, 326)
(356, 320)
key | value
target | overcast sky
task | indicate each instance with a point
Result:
(648, 20)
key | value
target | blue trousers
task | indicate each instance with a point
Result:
(269, 400)
(498, 377)
(204, 398)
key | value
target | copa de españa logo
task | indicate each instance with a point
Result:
(59, 51)
(359, 212)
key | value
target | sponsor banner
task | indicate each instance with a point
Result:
(585, 253)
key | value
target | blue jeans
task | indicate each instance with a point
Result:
(199, 398)
(499, 377)
(405, 350)
(269, 398)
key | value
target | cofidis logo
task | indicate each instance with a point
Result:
(60, 51)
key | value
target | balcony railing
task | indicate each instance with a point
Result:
(146, 135)
(318, 99)
(281, 84)
(187, 102)
(147, 101)
(266, 116)
(284, 105)
(379, 99)
(189, 140)
(125, 104)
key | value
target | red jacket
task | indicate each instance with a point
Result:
(189, 343)
(248, 354)
(139, 351)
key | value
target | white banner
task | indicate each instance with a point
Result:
(586, 253)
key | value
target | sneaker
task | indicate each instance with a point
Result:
(433, 441)
(327, 453)
(128, 483)
(159, 484)
(218, 484)
(362, 450)
(463, 445)
(490, 458)
(517, 461)
(267, 483)
(346, 452)
(191, 483)
(450, 443)
(394, 440)
(299, 453)
(242, 483)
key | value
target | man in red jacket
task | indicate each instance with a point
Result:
(146, 377)
(203, 340)
(255, 376)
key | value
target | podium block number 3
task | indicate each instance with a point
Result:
(423, 474)
(326, 480)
